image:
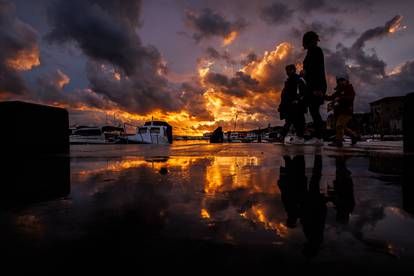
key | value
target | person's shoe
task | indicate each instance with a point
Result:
(314, 142)
(291, 223)
(294, 140)
(337, 144)
(288, 139)
(298, 141)
(355, 140)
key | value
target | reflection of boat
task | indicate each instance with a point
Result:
(242, 137)
(157, 159)
(96, 135)
(153, 132)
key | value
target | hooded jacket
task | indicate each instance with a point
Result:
(345, 96)
(292, 97)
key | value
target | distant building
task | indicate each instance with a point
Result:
(362, 123)
(387, 115)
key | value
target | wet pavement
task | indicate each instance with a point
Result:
(241, 207)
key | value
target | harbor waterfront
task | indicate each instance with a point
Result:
(155, 207)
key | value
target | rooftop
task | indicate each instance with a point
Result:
(388, 100)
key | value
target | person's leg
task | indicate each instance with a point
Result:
(286, 127)
(354, 135)
(299, 124)
(316, 119)
(341, 123)
(350, 132)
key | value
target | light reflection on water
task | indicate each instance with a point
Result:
(239, 199)
(295, 202)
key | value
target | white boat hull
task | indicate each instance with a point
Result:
(97, 140)
(147, 138)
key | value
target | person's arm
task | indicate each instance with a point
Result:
(334, 97)
(282, 100)
(318, 78)
(303, 89)
(330, 97)
(347, 97)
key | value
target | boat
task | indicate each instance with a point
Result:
(152, 132)
(96, 135)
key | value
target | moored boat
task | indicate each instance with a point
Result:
(96, 135)
(152, 132)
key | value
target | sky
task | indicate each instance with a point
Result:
(196, 64)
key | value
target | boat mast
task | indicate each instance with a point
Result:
(235, 121)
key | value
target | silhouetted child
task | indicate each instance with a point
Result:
(292, 106)
(342, 103)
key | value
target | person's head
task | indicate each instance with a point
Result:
(342, 80)
(310, 40)
(290, 70)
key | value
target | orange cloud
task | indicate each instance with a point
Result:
(25, 59)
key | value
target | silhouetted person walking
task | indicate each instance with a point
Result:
(314, 212)
(343, 193)
(314, 73)
(342, 102)
(292, 106)
(293, 186)
(302, 201)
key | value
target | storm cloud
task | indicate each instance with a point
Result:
(18, 51)
(97, 56)
(325, 30)
(105, 31)
(209, 23)
(213, 53)
(370, 63)
(368, 67)
(239, 85)
(367, 71)
(120, 68)
(277, 13)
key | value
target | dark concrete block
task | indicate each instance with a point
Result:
(408, 123)
(32, 128)
(31, 178)
(408, 184)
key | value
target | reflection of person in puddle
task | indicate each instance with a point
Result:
(292, 185)
(306, 203)
(343, 193)
(314, 211)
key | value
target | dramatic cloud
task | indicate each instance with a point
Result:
(238, 86)
(18, 51)
(105, 30)
(309, 5)
(214, 54)
(248, 58)
(252, 92)
(371, 65)
(124, 78)
(325, 30)
(192, 98)
(367, 70)
(368, 67)
(277, 13)
(142, 92)
(208, 24)
(270, 69)
(120, 68)
(50, 90)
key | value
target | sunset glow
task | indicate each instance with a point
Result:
(25, 60)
